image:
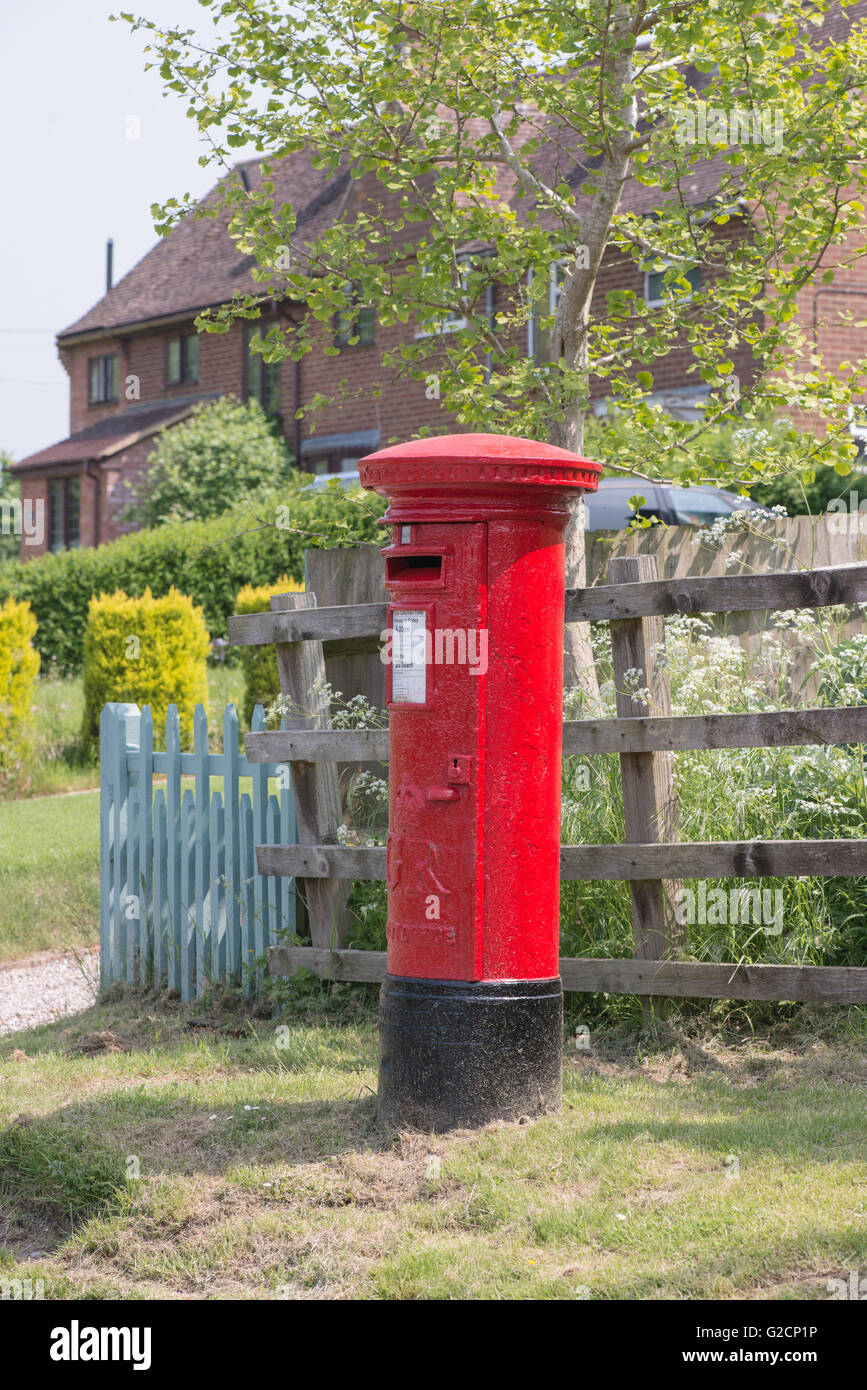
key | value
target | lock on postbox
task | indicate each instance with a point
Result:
(471, 1007)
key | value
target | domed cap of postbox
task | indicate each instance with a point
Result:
(479, 471)
(452, 459)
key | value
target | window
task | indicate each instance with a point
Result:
(699, 506)
(263, 378)
(182, 359)
(609, 509)
(63, 507)
(354, 326)
(449, 320)
(102, 379)
(321, 464)
(337, 455)
(858, 421)
(539, 337)
(656, 291)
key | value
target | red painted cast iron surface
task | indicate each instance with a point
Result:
(475, 576)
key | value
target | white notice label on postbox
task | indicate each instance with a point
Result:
(408, 651)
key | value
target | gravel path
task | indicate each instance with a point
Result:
(46, 987)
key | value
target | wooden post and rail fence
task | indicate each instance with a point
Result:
(652, 860)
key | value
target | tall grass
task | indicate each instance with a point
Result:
(739, 794)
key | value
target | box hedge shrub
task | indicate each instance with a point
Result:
(261, 681)
(209, 560)
(145, 651)
(19, 665)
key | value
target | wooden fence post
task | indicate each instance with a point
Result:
(649, 793)
(131, 897)
(317, 794)
(107, 848)
(118, 932)
(163, 941)
(231, 761)
(148, 926)
(341, 578)
(201, 906)
(189, 983)
(261, 899)
(175, 949)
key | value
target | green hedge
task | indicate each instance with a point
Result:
(144, 651)
(209, 560)
(259, 664)
(19, 664)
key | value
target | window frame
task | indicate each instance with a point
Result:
(680, 298)
(450, 321)
(70, 483)
(352, 315)
(331, 457)
(184, 377)
(104, 384)
(255, 360)
(856, 415)
(556, 280)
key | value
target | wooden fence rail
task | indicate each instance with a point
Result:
(181, 902)
(766, 729)
(645, 736)
(357, 627)
(827, 984)
(626, 862)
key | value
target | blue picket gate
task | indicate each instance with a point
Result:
(181, 903)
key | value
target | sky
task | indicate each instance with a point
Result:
(70, 80)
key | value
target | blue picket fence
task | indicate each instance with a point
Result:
(181, 903)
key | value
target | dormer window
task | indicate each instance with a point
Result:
(182, 360)
(102, 378)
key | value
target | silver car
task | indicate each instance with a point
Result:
(609, 509)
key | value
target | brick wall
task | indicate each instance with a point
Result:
(619, 272)
(829, 316)
(142, 370)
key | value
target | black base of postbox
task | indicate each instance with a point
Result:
(455, 1054)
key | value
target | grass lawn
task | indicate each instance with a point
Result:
(49, 873)
(687, 1167)
(49, 870)
(49, 842)
(58, 705)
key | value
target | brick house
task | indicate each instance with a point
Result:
(137, 367)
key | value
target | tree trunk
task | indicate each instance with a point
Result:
(579, 667)
(572, 324)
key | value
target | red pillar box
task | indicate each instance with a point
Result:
(471, 1008)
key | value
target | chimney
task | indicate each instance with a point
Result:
(109, 264)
